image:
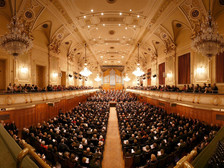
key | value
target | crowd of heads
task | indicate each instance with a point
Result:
(151, 135)
(12, 130)
(148, 134)
(186, 88)
(72, 139)
(34, 88)
(112, 95)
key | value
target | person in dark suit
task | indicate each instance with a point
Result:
(214, 88)
(62, 147)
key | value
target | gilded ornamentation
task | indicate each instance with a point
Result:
(57, 39)
(194, 11)
(60, 8)
(70, 57)
(31, 12)
(55, 44)
(164, 35)
(160, 11)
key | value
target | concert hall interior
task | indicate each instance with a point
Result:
(112, 83)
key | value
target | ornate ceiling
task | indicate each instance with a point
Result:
(111, 28)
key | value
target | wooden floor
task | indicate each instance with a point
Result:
(113, 155)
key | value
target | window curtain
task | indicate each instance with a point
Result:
(184, 69)
(220, 68)
(149, 77)
(162, 74)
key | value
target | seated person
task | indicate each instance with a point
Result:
(184, 88)
(188, 89)
(85, 162)
(153, 160)
(214, 88)
(10, 88)
(161, 154)
(207, 90)
(192, 88)
(203, 88)
(15, 89)
(197, 89)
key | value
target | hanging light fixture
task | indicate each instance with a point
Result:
(126, 79)
(97, 79)
(17, 41)
(208, 41)
(85, 72)
(138, 71)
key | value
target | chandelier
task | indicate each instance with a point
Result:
(17, 41)
(85, 72)
(208, 41)
(138, 71)
(126, 79)
(97, 79)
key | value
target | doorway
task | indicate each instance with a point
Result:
(63, 78)
(2, 75)
(40, 78)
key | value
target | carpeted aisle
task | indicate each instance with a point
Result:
(113, 155)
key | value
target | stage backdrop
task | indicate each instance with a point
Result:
(112, 79)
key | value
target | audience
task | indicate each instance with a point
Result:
(73, 139)
(186, 88)
(34, 88)
(157, 134)
(148, 134)
(117, 96)
(10, 127)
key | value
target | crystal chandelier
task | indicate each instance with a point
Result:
(138, 71)
(17, 41)
(126, 79)
(208, 41)
(85, 72)
(97, 79)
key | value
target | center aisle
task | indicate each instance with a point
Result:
(113, 155)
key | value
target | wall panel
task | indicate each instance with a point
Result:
(40, 112)
(205, 115)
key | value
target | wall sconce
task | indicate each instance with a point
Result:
(200, 70)
(154, 76)
(169, 75)
(70, 76)
(24, 69)
(55, 74)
